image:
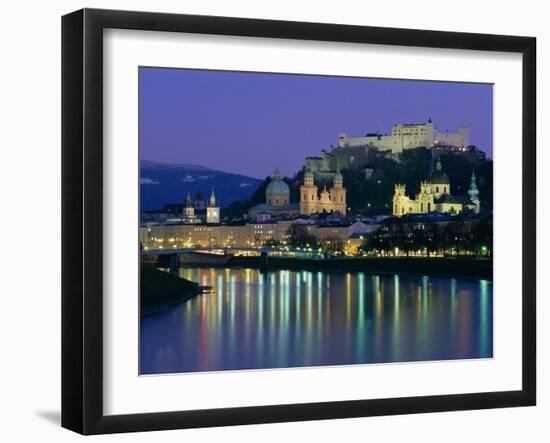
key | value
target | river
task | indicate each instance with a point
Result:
(280, 319)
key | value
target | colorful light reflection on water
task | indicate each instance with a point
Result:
(289, 319)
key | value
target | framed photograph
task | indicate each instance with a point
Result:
(269, 221)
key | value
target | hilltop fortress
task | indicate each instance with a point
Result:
(354, 152)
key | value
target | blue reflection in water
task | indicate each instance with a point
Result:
(289, 319)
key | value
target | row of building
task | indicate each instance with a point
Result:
(277, 231)
(345, 233)
(321, 216)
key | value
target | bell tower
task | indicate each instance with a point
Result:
(473, 192)
(400, 201)
(189, 209)
(338, 194)
(308, 195)
(213, 210)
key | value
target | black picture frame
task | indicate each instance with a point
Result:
(82, 215)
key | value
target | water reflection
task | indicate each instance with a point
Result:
(288, 319)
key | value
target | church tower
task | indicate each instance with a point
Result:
(473, 192)
(425, 199)
(308, 195)
(189, 210)
(213, 210)
(200, 204)
(400, 201)
(338, 194)
(439, 180)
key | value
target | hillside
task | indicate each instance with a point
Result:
(162, 183)
(374, 195)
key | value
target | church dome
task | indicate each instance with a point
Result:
(277, 187)
(439, 177)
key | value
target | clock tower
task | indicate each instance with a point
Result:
(213, 210)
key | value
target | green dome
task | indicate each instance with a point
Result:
(277, 187)
(439, 177)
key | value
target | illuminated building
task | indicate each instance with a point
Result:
(213, 210)
(277, 199)
(333, 200)
(435, 196)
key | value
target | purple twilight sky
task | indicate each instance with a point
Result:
(248, 123)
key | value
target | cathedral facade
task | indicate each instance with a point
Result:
(277, 198)
(435, 196)
(333, 200)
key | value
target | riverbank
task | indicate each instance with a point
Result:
(445, 266)
(160, 290)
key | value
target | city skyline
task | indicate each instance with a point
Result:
(248, 123)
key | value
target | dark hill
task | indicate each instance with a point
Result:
(162, 183)
(374, 195)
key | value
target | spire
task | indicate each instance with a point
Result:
(337, 180)
(188, 200)
(429, 119)
(276, 174)
(212, 198)
(473, 192)
(438, 164)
